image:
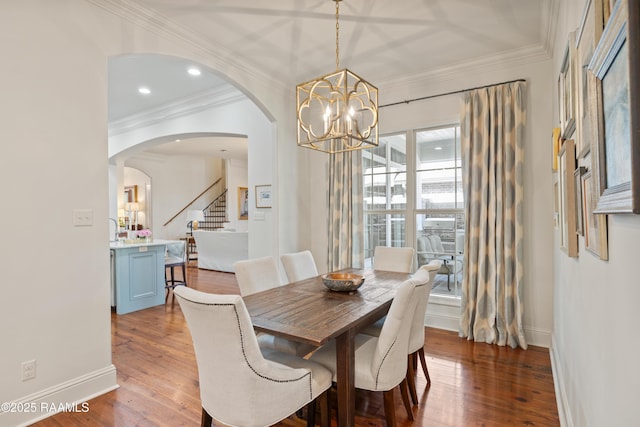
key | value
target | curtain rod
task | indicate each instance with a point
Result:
(448, 93)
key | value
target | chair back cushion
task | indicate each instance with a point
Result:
(416, 336)
(393, 259)
(238, 386)
(389, 362)
(258, 274)
(177, 249)
(299, 266)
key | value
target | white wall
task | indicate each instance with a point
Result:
(56, 276)
(594, 348)
(54, 106)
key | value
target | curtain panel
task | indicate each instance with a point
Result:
(492, 131)
(346, 211)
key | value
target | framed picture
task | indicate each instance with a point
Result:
(263, 196)
(566, 89)
(131, 194)
(566, 168)
(616, 163)
(556, 147)
(243, 203)
(577, 175)
(595, 226)
(587, 38)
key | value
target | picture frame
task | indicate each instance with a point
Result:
(587, 37)
(577, 175)
(566, 89)
(556, 148)
(131, 194)
(566, 168)
(595, 226)
(263, 196)
(243, 203)
(616, 160)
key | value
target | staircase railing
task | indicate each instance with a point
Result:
(215, 214)
(193, 201)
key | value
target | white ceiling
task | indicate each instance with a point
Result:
(294, 41)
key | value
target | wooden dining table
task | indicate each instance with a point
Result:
(308, 312)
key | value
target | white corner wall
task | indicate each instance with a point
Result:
(595, 305)
(54, 102)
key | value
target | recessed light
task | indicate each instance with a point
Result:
(177, 140)
(144, 90)
(437, 148)
(194, 71)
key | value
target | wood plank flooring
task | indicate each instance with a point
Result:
(473, 384)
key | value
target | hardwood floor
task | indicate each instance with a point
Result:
(473, 384)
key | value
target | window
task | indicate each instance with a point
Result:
(426, 163)
(439, 210)
(385, 194)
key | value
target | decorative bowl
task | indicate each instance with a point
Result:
(342, 282)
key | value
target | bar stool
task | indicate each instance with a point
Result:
(175, 256)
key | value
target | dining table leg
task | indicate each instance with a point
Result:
(345, 379)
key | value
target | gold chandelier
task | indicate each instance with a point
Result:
(337, 112)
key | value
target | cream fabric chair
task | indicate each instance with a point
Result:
(256, 275)
(299, 265)
(238, 385)
(259, 274)
(416, 337)
(393, 259)
(381, 362)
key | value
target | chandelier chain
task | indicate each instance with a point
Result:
(337, 35)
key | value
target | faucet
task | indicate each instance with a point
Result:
(115, 224)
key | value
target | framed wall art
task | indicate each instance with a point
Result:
(577, 175)
(566, 89)
(243, 203)
(263, 196)
(566, 168)
(617, 157)
(587, 38)
(595, 226)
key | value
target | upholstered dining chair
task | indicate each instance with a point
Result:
(175, 256)
(381, 362)
(393, 259)
(239, 385)
(416, 335)
(259, 274)
(299, 265)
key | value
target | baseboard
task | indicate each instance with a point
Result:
(558, 383)
(70, 396)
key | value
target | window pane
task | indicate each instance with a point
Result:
(439, 169)
(383, 230)
(440, 236)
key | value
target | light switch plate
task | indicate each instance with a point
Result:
(82, 217)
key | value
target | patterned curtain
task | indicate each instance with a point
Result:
(492, 130)
(346, 236)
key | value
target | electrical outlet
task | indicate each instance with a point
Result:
(28, 370)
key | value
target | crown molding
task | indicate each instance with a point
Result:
(221, 60)
(549, 25)
(183, 107)
(524, 55)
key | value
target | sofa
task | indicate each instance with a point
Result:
(219, 250)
